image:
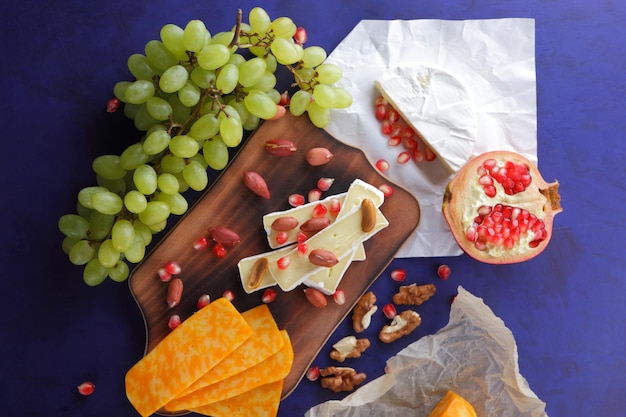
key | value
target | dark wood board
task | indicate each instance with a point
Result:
(229, 203)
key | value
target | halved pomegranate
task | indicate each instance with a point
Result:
(499, 208)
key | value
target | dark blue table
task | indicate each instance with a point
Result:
(60, 60)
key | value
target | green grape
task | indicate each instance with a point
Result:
(283, 27)
(180, 112)
(133, 156)
(215, 153)
(202, 78)
(240, 108)
(274, 95)
(195, 176)
(122, 234)
(343, 98)
(82, 252)
(172, 38)
(173, 79)
(119, 272)
(108, 166)
(205, 127)
(324, 96)
(142, 231)
(266, 82)
(189, 94)
(67, 243)
(213, 56)
(107, 254)
(172, 164)
(117, 186)
(313, 56)
(195, 36)
(260, 104)
(135, 202)
(251, 123)
(107, 202)
(231, 131)
(236, 59)
(85, 194)
(320, 116)
(140, 67)
(328, 73)
(119, 90)
(183, 186)
(227, 78)
(158, 108)
(82, 210)
(199, 158)
(184, 146)
(145, 179)
(228, 111)
(139, 91)
(304, 75)
(224, 38)
(159, 56)
(259, 20)
(285, 51)
(94, 273)
(143, 121)
(299, 102)
(158, 227)
(137, 250)
(251, 71)
(130, 110)
(168, 183)
(100, 225)
(176, 203)
(156, 142)
(270, 63)
(155, 212)
(74, 226)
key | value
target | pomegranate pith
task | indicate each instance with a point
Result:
(499, 208)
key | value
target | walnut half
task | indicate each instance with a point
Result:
(414, 294)
(402, 324)
(362, 312)
(349, 347)
(339, 379)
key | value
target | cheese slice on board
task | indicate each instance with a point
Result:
(265, 341)
(275, 368)
(183, 356)
(437, 106)
(262, 401)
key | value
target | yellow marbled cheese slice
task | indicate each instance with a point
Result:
(262, 401)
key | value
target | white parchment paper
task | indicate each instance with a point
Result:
(474, 355)
(495, 61)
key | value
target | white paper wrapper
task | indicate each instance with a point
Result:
(475, 355)
(494, 59)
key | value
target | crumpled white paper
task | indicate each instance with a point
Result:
(495, 61)
(474, 355)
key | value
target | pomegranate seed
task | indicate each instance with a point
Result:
(296, 200)
(174, 321)
(229, 295)
(394, 140)
(112, 105)
(284, 99)
(490, 191)
(201, 243)
(281, 237)
(334, 205)
(300, 37)
(86, 388)
(380, 100)
(283, 262)
(393, 116)
(386, 189)
(324, 184)
(339, 296)
(407, 133)
(319, 210)
(164, 275)
(380, 112)
(417, 155)
(313, 373)
(203, 301)
(429, 155)
(314, 195)
(403, 157)
(398, 275)
(386, 128)
(443, 271)
(410, 144)
(301, 237)
(172, 267)
(382, 165)
(269, 295)
(302, 248)
(389, 310)
(219, 250)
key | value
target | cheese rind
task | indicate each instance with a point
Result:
(183, 356)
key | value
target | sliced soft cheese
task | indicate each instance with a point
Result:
(437, 106)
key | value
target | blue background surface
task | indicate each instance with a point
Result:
(59, 63)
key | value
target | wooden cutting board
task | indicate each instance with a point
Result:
(229, 203)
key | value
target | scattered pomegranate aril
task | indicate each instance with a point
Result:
(334, 206)
(174, 321)
(339, 296)
(269, 295)
(403, 157)
(203, 301)
(283, 262)
(314, 195)
(324, 184)
(219, 250)
(164, 275)
(86, 388)
(313, 373)
(302, 248)
(380, 112)
(284, 99)
(389, 310)
(301, 237)
(296, 200)
(281, 237)
(112, 105)
(386, 128)
(229, 295)
(382, 165)
(443, 271)
(300, 37)
(429, 155)
(394, 140)
(172, 267)
(319, 210)
(398, 275)
(201, 243)
(386, 189)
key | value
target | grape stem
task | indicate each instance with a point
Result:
(235, 41)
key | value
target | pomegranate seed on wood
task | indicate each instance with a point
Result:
(269, 295)
(203, 301)
(339, 296)
(229, 295)
(296, 200)
(174, 321)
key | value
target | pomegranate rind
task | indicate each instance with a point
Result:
(463, 196)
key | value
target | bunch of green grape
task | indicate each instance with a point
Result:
(193, 96)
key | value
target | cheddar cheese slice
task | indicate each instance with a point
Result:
(262, 401)
(274, 368)
(183, 356)
(265, 341)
